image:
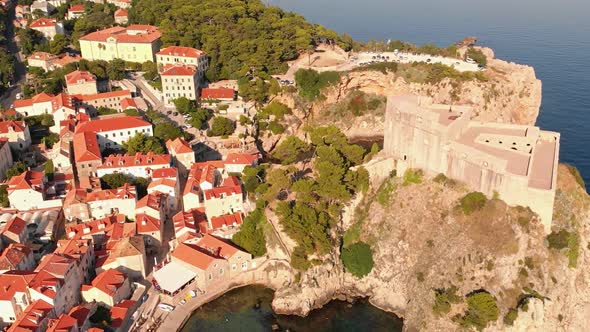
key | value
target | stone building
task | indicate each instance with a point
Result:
(517, 162)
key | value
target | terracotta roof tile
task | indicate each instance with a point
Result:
(139, 159)
(121, 12)
(64, 323)
(86, 147)
(79, 76)
(226, 220)
(178, 146)
(130, 34)
(13, 255)
(178, 70)
(192, 255)
(8, 125)
(164, 173)
(146, 223)
(181, 51)
(217, 93)
(217, 192)
(111, 124)
(242, 159)
(43, 22)
(30, 318)
(13, 282)
(216, 246)
(109, 281)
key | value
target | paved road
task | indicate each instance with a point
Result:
(20, 70)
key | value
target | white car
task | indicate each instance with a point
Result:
(19, 96)
(165, 307)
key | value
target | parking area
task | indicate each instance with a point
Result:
(361, 59)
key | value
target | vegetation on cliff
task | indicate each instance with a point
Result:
(358, 259)
(482, 309)
(251, 234)
(242, 37)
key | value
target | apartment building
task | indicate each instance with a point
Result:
(49, 27)
(188, 56)
(112, 132)
(135, 43)
(179, 80)
(138, 165)
(81, 82)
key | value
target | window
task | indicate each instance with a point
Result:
(233, 267)
(244, 265)
(221, 271)
(210, 276)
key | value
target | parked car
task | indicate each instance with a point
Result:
(19, 96)
(165, 307)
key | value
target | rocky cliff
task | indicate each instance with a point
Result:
(422, 242)
(511, 93)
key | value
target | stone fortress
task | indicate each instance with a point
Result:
(517, 162)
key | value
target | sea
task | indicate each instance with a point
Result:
(552, 36)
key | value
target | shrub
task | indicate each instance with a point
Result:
(222, 126)
(482, 309)
(299, 259)
(477, 56)
(310, 82)
(472, 202)
(358, 259)
(564, 239)
(443, 299)
(510, 316)
(413, 176)
(384, 192)
(291, 150)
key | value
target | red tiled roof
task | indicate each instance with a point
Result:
(178, 70)
(153, 201)
(76, 8)
(121, 12)
(131, 34)
(74, 249)
(43, 22)
(104, 95)
(189, 221)
(65, 59)
(30, 319)
(80, 313)
(181, 51)
(42, 56)
(178, 145)
(241, 159)
(111, 124)
(191, 187)
(61, 100)
(17, 126)
(203, 174)
(216, 246)
(164, 173)
(139, 159)
(99, 226)
(109, 281)
(15, 226)
(214, 163)
(217, 93)
(13, 282)
(191, 255)
(64, 323)
(86, 147)
(146, 223)
(13, 255)
(231, 181)
(27, 180)
(218, 191)
(39, 98)
(226, 220)
(126, 191)
(119, 312)
(162, 182)
(79, 76)
(128, 103)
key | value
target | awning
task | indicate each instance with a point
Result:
(173, 276)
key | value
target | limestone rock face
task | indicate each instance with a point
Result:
(421, 242)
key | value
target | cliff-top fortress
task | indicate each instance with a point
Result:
(517, 162)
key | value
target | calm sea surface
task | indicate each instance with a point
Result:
(248, 309)
(552, 36)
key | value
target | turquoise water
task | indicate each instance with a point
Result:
(552, 36)
(248, 309)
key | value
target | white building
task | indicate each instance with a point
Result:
(138, 165)
(112, 132)
(48, 27)
(106, 202)
(189, 56)
(81, 82)
(179, 81)
(17, 133)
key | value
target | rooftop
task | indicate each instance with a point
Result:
(217, 93)
(43, 22)
(178, 146)
(132, 34)
(79, 76)
(12, 125)
(178, 70)
(137, 160)
(181, 51)
(112, 124)
(13, 255)
(108, 281)
(86, 147)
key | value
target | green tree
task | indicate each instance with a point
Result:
(115, 180)
(310, 82)
(184, 105)
(116, 70)
(251, 234)
(144, 144)
(299, 259)
(477, 56)
(443, 299)
(58, 44)
(482, 309)
(167, 130)
(4, 196)
(50, 140)
(221, 126)
(290, 150)
(472, 202)
(49, 169)
(358, 259)
(16, 169)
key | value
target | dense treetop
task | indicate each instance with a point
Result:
(241, 36)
